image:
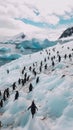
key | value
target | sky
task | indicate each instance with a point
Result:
(39, 13)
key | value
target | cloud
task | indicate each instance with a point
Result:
(6, 22)
(10, 26)
(49, 10)
(51, 19)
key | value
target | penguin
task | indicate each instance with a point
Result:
(37, 79)
(16, 95)
(7, 92)
(33, 108)
(53, 63)
(14, 85)
(30, 87)
(7, 71)
(1, 103)
(0, 93)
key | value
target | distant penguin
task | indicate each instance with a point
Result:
(59, 58)
(37, 79)
(28, 78)
(19, 81)
(24, 68)
(7, 92)
(53, 64)
(45, 60)
(62, 46)
(0, 124)
(40, 69)
(34, 72)
(33, 65)
(68, 48)
(23, 71)
(25, 75)
(65, 56)
(63, 76)
(30, 87)
(16, 95)
(49, 53)
(7, 71)
(41, 63)
(48, 57)
(45, 66)
(23, 81)
(53, 57)
(14, 85)
(0, 93)
(53, 49)
(57, 52)
(69, 56)
(4, 96)
(30, 68)
(1, 103)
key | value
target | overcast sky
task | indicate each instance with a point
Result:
(42, 13)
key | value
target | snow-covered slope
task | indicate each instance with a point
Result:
(53, 94)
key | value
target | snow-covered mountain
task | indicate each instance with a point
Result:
(19, 37)
(67, 33)
(53, 94)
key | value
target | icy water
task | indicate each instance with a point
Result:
(9, 53)
(12, 50)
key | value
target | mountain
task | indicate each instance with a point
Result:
(17, 38)
(67, 33)
(24, 41)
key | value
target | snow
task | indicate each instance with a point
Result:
(53, 95)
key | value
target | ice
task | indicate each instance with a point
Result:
(4, 50)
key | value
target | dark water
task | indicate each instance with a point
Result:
(4, 59)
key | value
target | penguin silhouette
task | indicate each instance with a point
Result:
(16, 95)
(33, 108)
